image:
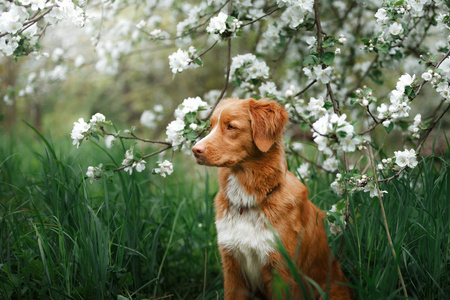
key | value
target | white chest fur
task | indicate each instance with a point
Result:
(245, 235)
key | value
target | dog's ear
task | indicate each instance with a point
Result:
(268, 120)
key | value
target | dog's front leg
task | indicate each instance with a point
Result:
(235, 286)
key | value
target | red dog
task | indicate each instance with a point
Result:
(256, 187)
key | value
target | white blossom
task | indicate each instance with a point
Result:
(381, 16)
(182, 60)
(218, 25)
(349, 144)
(140, 165)
(174, 132)
(330, 164)
(303, 171)
(396, 29)
(445, 68)
(78, 131)
(316, 106)
(373, 191)
(337, 185)
(97, 118)
(427, 76)
(90, 173)
(268, 88)
(406, 158)
(405, 80)
(252, 68)
(318, 73)
(165, 168)
(109, 141)
(148, 119)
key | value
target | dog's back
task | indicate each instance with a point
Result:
(256, 189)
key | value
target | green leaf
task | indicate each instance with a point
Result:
(311, 60)
(137, 156)
(304, 126)
(327, 105)
(199, 62)
(95, 136)
(409, 91)
(256, 81)
(328, 58)
(342, 134)
(390, 127)
(191, 135)
(328, 43)
(191, 117)
(384, 48)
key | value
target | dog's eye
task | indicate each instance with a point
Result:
(230, 127)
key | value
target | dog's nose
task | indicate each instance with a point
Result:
(198, 150)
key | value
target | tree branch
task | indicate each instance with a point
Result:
(262, 17)
(306, 88)
(133, 137)
(318, 27)
(227, 79)
(144, 157)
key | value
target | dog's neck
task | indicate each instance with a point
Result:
(260, 176)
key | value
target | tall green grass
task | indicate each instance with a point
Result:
(144, 237)
(139, 236)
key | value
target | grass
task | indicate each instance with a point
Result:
(145, 237)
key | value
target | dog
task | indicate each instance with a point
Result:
(260, 201)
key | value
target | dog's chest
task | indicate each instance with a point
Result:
(243, 232)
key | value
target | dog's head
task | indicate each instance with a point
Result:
(241, 129)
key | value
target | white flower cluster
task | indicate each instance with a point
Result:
(269, 38)
(338, 185)
(330, 164)
(415, 127)
(406, 158)
(65, 10)
(193, 15)
(16, 19)
(333, 132)
(150, 118)
(81, 129)
(303, 171)
(247, 67)
(94, 173)
(364, 96)
(439, 79)
(165, 168)
(268, 88)
(183, 60)
(316, 107)
(12, 21)
(336, 209)
(296, 12)
(318, 73)
(175, 129)
(158, 34)
(220, 26)
(131, 162)
(399, 106)
(356, 183)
